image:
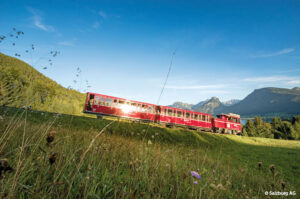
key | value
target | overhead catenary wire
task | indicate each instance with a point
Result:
(167, 77)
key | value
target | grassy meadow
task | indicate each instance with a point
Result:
(49, 155)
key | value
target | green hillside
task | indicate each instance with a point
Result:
(22, 85)
(63, 156)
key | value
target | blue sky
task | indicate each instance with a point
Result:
(124, 48)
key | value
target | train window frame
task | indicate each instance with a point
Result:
(133, 106)
(144, 108)
(195, 116)
(108, 102)
(138, 107)
(96, 100)
(149, 109)
(179, 114)
(102, 100)
(170, 112)
(187, 115)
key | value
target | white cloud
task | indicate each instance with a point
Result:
(198, 87)
(102, 14)
(294, 82)
(273, 54)
(267, 79)
(38, 21)
(96, 25)
(66, 43)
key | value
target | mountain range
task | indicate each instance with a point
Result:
(263, 101)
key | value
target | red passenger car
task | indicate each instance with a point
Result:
(180, 117)
(114, 106)
(227, 123)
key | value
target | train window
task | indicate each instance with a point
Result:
(208, 118)
(203, 117)
(234, 120)
(150, 109)
(121, 102)
(170, 112)
(101, 102)
(178, 113)
(133, 106)
(139, 108)
(115, 102)
(165, 111)
(187, 115)
(195, 117)
(157, 110)
(96, 100)
(144, 108)
(108, 102)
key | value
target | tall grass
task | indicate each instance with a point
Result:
(59, 156)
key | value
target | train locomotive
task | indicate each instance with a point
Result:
(104, 105)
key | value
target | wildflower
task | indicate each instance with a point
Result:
(259, 165)
(195, 182)
(53, 158)
(156, 133)
(195, 174)
(152, 136)
(1, 118)
(272, 168)
(149, 142)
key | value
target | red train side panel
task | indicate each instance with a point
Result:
(180, 117)
(114, 106)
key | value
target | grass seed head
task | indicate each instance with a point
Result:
(282, 184)
(272, 168)
(259, 165)
(53, 158)
(50, 137)
(4, 166)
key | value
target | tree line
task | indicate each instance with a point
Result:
(277, 128)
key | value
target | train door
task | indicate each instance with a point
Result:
(90, 102)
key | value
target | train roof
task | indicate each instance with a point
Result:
(121, 98)
(231, 115)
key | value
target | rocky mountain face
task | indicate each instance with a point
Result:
(266, 101)
(261, 101)
(231, 102)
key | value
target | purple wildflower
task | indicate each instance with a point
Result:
(195, 182)
(195, 174)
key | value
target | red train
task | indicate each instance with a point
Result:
(104, 105)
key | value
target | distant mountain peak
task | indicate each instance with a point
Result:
(296, 88)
